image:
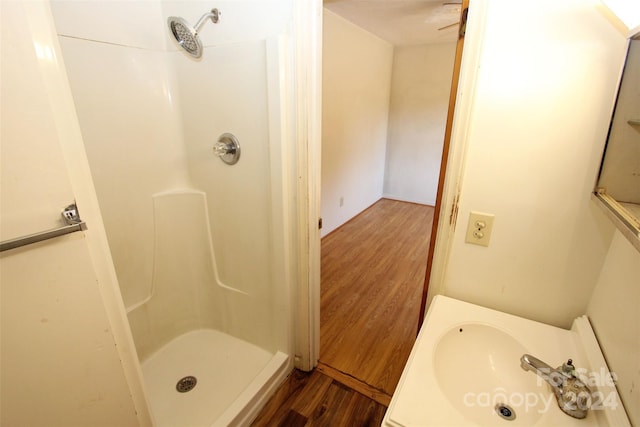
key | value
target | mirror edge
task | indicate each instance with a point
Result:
(628, 226)
(618, 216)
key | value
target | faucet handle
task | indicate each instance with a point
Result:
(568, 369)
(227, 148)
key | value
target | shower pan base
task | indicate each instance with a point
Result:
(232, 375)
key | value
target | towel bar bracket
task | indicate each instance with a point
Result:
(73, 223)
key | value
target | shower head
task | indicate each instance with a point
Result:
(187, 36)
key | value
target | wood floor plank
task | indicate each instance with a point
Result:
(315, 399)
(332, 406)
(278, 407)
(372, 276)
(293, 419)
(307, 403)
(362, 411)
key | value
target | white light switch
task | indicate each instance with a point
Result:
(479, 228)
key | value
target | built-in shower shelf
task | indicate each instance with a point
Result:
(634, 122)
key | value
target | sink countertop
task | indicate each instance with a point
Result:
(420, 399)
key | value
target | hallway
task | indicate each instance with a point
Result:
(372, 276)
(371, 283)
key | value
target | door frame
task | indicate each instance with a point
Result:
(455, 79)
(461, 104)
(308, 78)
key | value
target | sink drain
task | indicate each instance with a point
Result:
(505, 411)
(186, 384)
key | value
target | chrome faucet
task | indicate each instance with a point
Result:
(572, 395)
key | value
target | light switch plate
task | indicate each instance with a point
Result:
(479, 228)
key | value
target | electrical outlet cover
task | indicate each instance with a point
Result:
(479, 228)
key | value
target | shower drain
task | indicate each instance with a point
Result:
(186, 384)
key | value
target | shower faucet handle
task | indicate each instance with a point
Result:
(222, 148)
(227, 148)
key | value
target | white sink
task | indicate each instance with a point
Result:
(465, 368)
(477, 367)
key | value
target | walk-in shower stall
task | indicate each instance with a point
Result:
(184, 110)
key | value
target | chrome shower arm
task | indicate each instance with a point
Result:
(214, 15)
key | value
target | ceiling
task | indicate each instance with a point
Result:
(402, 22)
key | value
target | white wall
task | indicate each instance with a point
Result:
(533, 115)
(613, 311)
(63, 360)
(356, 79)
(420, 86)
(537, 123)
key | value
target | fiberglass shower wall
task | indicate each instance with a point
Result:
(196, 243)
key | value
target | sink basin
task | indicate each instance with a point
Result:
(477, 368)
(464, 370)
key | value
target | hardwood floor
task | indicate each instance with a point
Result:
(314, 399)
(372, 273)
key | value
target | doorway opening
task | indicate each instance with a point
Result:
(410, 138)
